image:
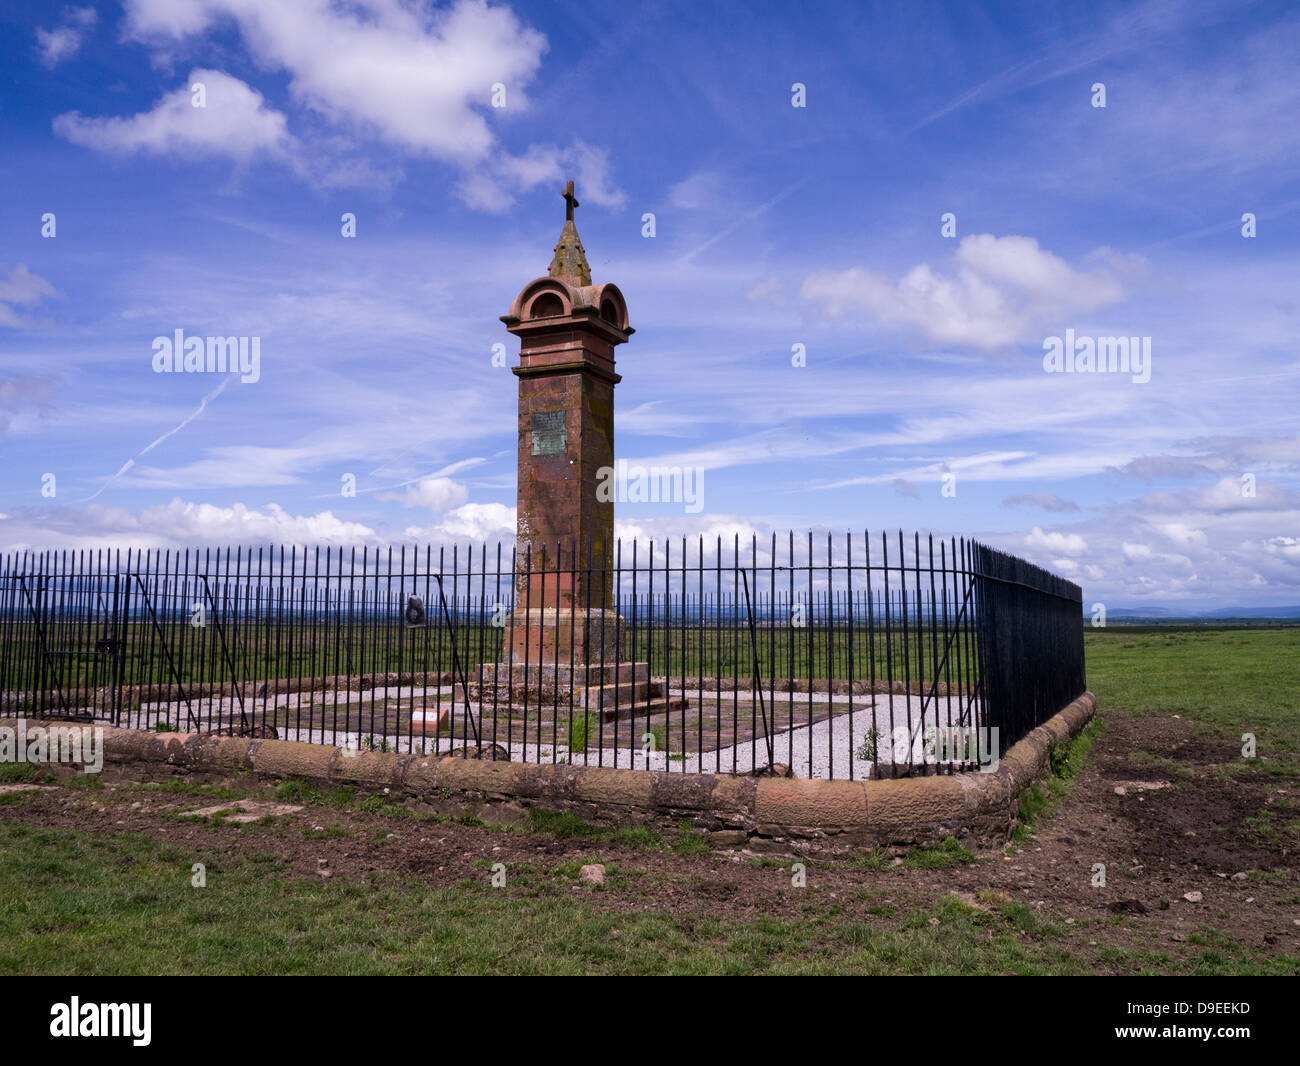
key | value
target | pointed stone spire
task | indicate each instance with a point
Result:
(570, 260)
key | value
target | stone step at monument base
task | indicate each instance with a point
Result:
(621, 693)
(612, 689)
(641, 708)
(566, 676)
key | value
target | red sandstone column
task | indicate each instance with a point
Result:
(568, 329)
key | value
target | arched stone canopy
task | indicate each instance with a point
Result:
(567, 292)
(547, 305)
(613, 308)
(523, 307)
(539, 297)
(537, 300)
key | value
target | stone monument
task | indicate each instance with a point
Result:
(564, 633)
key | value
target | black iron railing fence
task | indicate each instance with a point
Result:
(836, 656)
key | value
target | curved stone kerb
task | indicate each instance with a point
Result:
(899, 810)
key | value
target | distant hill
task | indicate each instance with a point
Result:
(1169, 613)
(1255, 612)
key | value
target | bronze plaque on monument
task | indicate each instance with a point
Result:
(549, 434)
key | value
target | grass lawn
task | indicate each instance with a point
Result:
(74, 902)
(1228, 681)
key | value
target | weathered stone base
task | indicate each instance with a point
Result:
(565, 634)
(610, 688)
(765, 813)
(519, 673)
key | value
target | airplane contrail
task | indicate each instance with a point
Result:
(170, 433)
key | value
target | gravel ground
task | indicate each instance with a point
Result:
(820, 750)
(828, 748)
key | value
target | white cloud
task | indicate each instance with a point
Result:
(63, 42)
(705, 528)
(21, 288)
(180, 523)
(704, 188)
(1223, 544)
(419, 77)
(235, 122)
(593, 168)
(1060, 543)
(1001, 290)
(1046, 500)
(202, 522)
(1225, 497)
(768, 291)
(1184, 535)
(19, 395)
(988, 466)
(477, 522)
(492, 185)
(228, 466)
(1153, 467)
(1286, 547)
(487, 523)
(438, 494)
(171, 18)
(415, 76)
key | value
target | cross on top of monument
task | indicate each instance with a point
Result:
(570, 260)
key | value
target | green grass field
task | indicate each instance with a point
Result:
(173, 652)
(1226, 680)
(95, 906)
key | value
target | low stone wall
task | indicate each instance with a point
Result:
(769, 813)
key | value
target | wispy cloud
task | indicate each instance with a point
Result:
(20, 288)
(1001, 290)
(233, 121)
(65, 40)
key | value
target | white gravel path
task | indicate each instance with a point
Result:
(823, 749)
(828, 748)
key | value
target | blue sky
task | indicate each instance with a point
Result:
(775, 226)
